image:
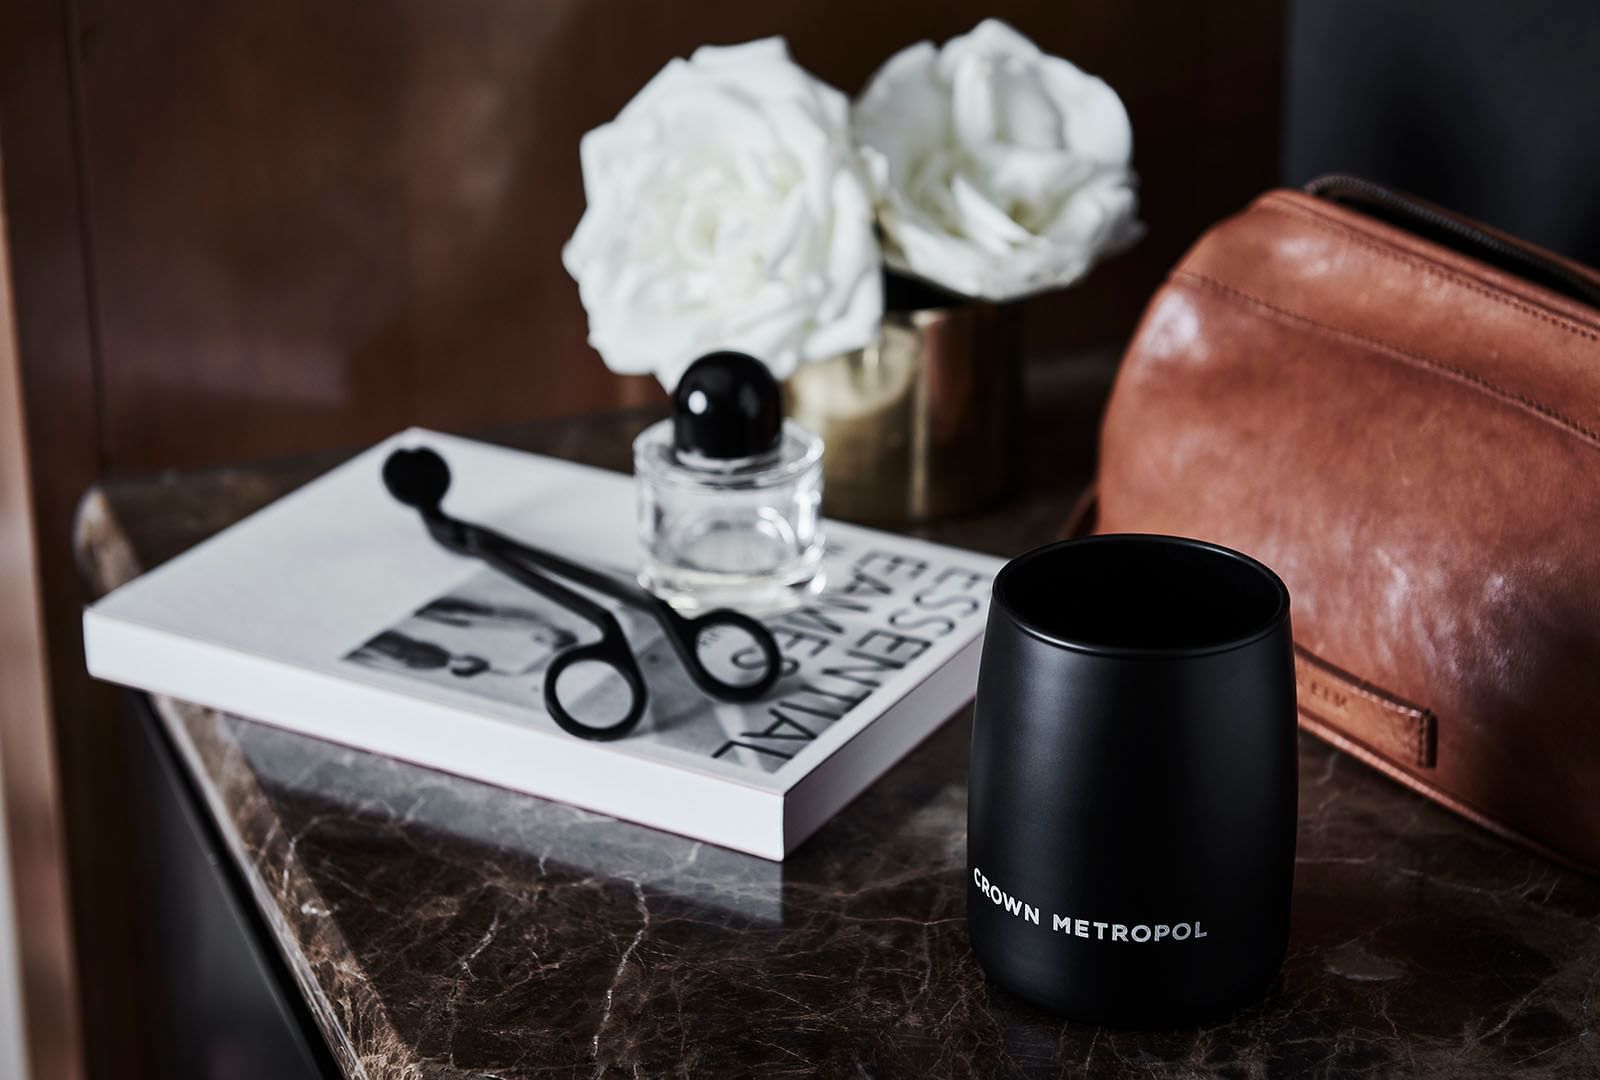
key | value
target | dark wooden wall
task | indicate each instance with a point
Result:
(243, 229)
(310, 223)
(32, 798)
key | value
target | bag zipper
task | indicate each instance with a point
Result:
(1394, 209)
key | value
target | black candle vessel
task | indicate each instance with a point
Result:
(1131, 821)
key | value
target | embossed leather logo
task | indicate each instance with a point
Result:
(1387, 725)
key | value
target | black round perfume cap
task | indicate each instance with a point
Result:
(1131, 812)
(727, 406)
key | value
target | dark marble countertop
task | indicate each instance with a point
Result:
(440, 927)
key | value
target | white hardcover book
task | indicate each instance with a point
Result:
(332, 612)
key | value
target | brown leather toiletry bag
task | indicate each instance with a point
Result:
(1399, 411)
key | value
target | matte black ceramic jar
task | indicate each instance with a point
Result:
(1131, 821)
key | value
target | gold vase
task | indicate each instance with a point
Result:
(923, 424)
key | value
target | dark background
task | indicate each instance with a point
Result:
(1488, 108)
(307, 223)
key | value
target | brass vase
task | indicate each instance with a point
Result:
(923, 424)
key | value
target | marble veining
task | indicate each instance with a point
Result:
(444, 928)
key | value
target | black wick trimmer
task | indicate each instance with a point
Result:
(419, 478)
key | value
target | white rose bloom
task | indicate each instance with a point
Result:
(727, 209)
(1002, 171)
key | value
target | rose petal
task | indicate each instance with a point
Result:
(982, 222)
(997, 170)
(727, 208)
(1096, 121)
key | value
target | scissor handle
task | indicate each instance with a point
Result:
(685, 633)
(612, 651)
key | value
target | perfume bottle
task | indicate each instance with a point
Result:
(730, 493)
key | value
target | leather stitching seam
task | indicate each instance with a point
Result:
(1361, 239)
(1533, 405)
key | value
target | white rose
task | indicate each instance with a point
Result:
(727, 209)
(1002, 171)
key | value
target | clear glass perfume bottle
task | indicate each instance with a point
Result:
(730, 493)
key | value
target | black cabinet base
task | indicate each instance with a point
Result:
(223, 1001)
